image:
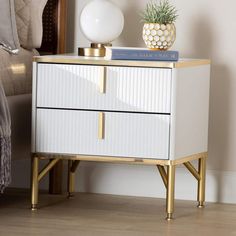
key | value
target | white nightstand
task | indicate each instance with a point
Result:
(152, 113)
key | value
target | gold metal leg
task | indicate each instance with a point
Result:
(34, 189)
(71, 180)
(201, 182)
(192, 170)
(170, 191)
(72, 166)
(163, 174)
(50, 165)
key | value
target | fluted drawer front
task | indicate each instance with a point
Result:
(124, 88)
(124, 134)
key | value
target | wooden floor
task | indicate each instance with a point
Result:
(106, 215)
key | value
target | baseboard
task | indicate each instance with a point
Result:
(134, 180)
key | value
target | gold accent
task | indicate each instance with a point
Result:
(72, 166)
(100, 45)
(201, 182)
(101, 125)
(34, 187)
(168, 178)
(163, 174)
(190, 158)
(192, 63)
(34, 207)
(103, 79)
(127, 160)
(91, 52)
(192, 169)
(169, 216)
(170, 193)
(72, 59)
(71, 180)
(50, 165)
(95, 50)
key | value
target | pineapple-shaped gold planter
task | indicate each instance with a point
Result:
(159, 30)
(159, 36)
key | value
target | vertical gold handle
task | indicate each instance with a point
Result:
(101, 125)
(103, 79)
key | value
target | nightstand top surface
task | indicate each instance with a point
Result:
(74, 59)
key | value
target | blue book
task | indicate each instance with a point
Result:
(143, 54)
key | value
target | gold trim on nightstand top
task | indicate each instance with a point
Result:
(73, 59)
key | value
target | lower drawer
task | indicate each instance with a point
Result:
(102, 134)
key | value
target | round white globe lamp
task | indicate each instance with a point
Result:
(101, 22)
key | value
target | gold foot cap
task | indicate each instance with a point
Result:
(169, 216)
(34, 207)
(70, 195)
(200, 205)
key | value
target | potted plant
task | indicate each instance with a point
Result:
(159, 30)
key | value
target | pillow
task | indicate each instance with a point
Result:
(8, 32)
(29, 22)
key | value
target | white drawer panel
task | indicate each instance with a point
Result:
(127, 88)
(125, 134)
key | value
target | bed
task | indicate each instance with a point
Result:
(16, 77)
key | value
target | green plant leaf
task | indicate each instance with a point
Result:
(162, 12)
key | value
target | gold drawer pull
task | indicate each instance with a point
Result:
(103, 79)
(101, 125)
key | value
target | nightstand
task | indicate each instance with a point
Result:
(141, 112)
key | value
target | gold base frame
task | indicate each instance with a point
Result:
(166, 169)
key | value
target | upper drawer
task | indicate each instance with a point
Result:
(104, 88)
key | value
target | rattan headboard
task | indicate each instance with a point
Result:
(54, 27)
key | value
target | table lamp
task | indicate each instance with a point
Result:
(101, 22)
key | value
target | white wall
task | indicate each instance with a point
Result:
(205, 29)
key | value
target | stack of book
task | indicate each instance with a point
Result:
(144, 54)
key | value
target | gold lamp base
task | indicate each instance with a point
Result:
(96, 50)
